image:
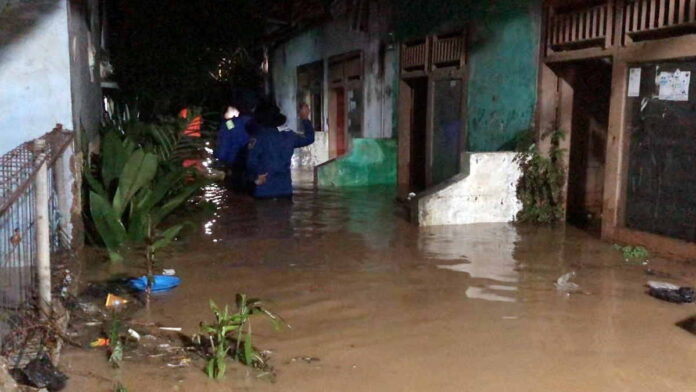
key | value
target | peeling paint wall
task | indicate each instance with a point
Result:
(380, 62)
(487, 193)
(503, 65)
(84, 28)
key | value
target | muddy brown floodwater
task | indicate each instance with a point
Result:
(386, 306)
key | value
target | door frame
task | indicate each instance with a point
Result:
(435, 57)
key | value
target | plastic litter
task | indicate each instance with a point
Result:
(662, 285)
(565, 285)
(160, 283)
(132, 333)
(169, 272)
(40, 373)
(171, 329)
(100, 342)
(671, 293)
(114, 301)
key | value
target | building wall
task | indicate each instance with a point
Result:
(380, 71)
(503, 60)
(34, 71)
(85, 38)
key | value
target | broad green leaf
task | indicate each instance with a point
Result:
(114, 157)
(94, 185)
(166, 237)
(248, 349)
(108, 224)
(173, 203)
(138, 172)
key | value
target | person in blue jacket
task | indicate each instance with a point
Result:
(232, 140)
(270, 151)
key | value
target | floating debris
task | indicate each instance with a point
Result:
(565, 285)
(671, 293)
(305, 358)
(114, 301)
(40, 373)
(688, 325)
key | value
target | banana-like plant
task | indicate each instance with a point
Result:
(132, 188)
(231, 334)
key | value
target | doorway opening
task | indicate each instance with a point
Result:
(590, 81)
(418, 113)
(337, 117)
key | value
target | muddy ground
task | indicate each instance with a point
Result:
(385, 306)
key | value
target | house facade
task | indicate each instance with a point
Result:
(458, 89)
(616, 77)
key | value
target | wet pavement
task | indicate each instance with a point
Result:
(386, 306)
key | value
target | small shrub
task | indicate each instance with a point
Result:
(632, 252)
(540, 188)
(231, 334)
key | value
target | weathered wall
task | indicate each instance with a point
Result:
(34, 71)
(503, 65)
(369, 162)
(486, 193)
(334, 38)
(85, 41)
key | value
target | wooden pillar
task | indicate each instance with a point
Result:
(404, 139)
(565, 125)
(617, 141)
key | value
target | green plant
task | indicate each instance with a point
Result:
(120, 388)
(231, 334)
(134, 184)
(540, 187)
(632, 252)
(115, 344)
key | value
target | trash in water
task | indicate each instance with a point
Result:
(170, 329)
(114, 301)
(671, 293)
(159, 283)
(132, 333)
(689, 325)
(101, 342)
(182, 362)
(662, 285)
(41, 373)
(565, 285)
(305, 358)
(169, 272)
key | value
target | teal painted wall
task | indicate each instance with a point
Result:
(502, 84)
(369, 162)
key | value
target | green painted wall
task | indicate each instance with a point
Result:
(369, 162)
(502, 84)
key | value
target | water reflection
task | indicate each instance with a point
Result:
(486, 252)
(367, 213)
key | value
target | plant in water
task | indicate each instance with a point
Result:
(115, 343)
(120, 388)
(632, 252)
(540, 188)
(231, 334)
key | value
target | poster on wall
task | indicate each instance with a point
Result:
(634, 82)
(673, 86)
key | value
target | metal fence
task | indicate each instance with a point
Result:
(20, 247)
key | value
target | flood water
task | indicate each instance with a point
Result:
(386, 306)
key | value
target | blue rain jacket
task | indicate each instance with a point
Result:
(231, 141)
(270, 151)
